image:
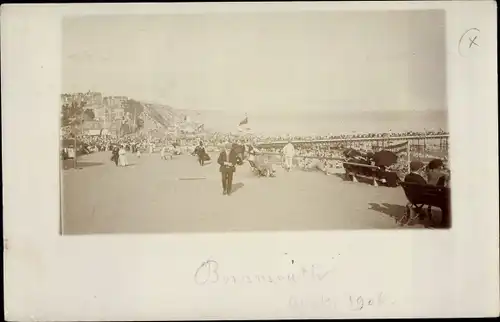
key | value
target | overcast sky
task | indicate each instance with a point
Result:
(258, 62)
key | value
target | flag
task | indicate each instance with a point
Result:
(245, 121)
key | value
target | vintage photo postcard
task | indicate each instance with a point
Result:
(262, 118)
(324, 154)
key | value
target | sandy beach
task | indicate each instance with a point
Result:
(151, 196)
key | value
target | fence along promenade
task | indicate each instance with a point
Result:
(359, 139)
(398, 148)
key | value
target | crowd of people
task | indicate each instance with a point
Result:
(388, 134)
(328, 159)
(308, 156)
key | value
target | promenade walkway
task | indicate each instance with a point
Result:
(148, 197)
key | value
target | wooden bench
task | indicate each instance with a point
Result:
(420, 196)
(360, 170)
(370, 172)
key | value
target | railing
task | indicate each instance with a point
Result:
(361, 165)
(358, 139)
(305, 156)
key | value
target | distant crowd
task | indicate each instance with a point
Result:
(389, 134)
(88, 144)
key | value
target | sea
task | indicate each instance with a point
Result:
(323, 123)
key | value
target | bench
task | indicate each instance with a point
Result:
(371, 172)
(426, 195)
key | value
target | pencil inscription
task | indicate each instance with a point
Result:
(347, 302)
(468, 40)
(210, 272)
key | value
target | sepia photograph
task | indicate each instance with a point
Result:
(231, 122)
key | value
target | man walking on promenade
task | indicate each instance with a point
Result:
(289, 153)
(227, 162)
(200, 152)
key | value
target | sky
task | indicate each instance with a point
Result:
(261, 62)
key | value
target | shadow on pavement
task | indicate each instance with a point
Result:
(70, 164)
(342, 176)
(237, 186)
(397, 212)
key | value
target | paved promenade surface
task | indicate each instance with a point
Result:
(148, 197)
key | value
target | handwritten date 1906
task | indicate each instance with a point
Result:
(338, 303)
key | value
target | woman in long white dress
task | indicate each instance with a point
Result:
(122, 159)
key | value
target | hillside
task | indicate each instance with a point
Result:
(164, 117)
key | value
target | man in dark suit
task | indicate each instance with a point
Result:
(227, 162)
(200, 152)
(414, 176)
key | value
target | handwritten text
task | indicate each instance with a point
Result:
(210, 272)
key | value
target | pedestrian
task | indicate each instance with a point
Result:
(227, 162)
(122, 153)
(200, 151)
(115, 155)
(289, 153)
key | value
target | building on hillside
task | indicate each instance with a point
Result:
(101, 128)
(100, 113)
(92, 128)
(114, 100)
(117, 113)
(65, 99)
(93, 98)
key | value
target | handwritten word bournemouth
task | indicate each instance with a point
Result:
(210, 272)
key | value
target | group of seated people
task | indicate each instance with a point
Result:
(386, 174)
(435, 172)
(437, 176)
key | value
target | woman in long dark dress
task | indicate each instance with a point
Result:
(115, 155)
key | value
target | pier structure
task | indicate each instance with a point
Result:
(421, 147)
(418, 144)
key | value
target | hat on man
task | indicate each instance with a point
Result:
(416, 165)
(435, 164)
